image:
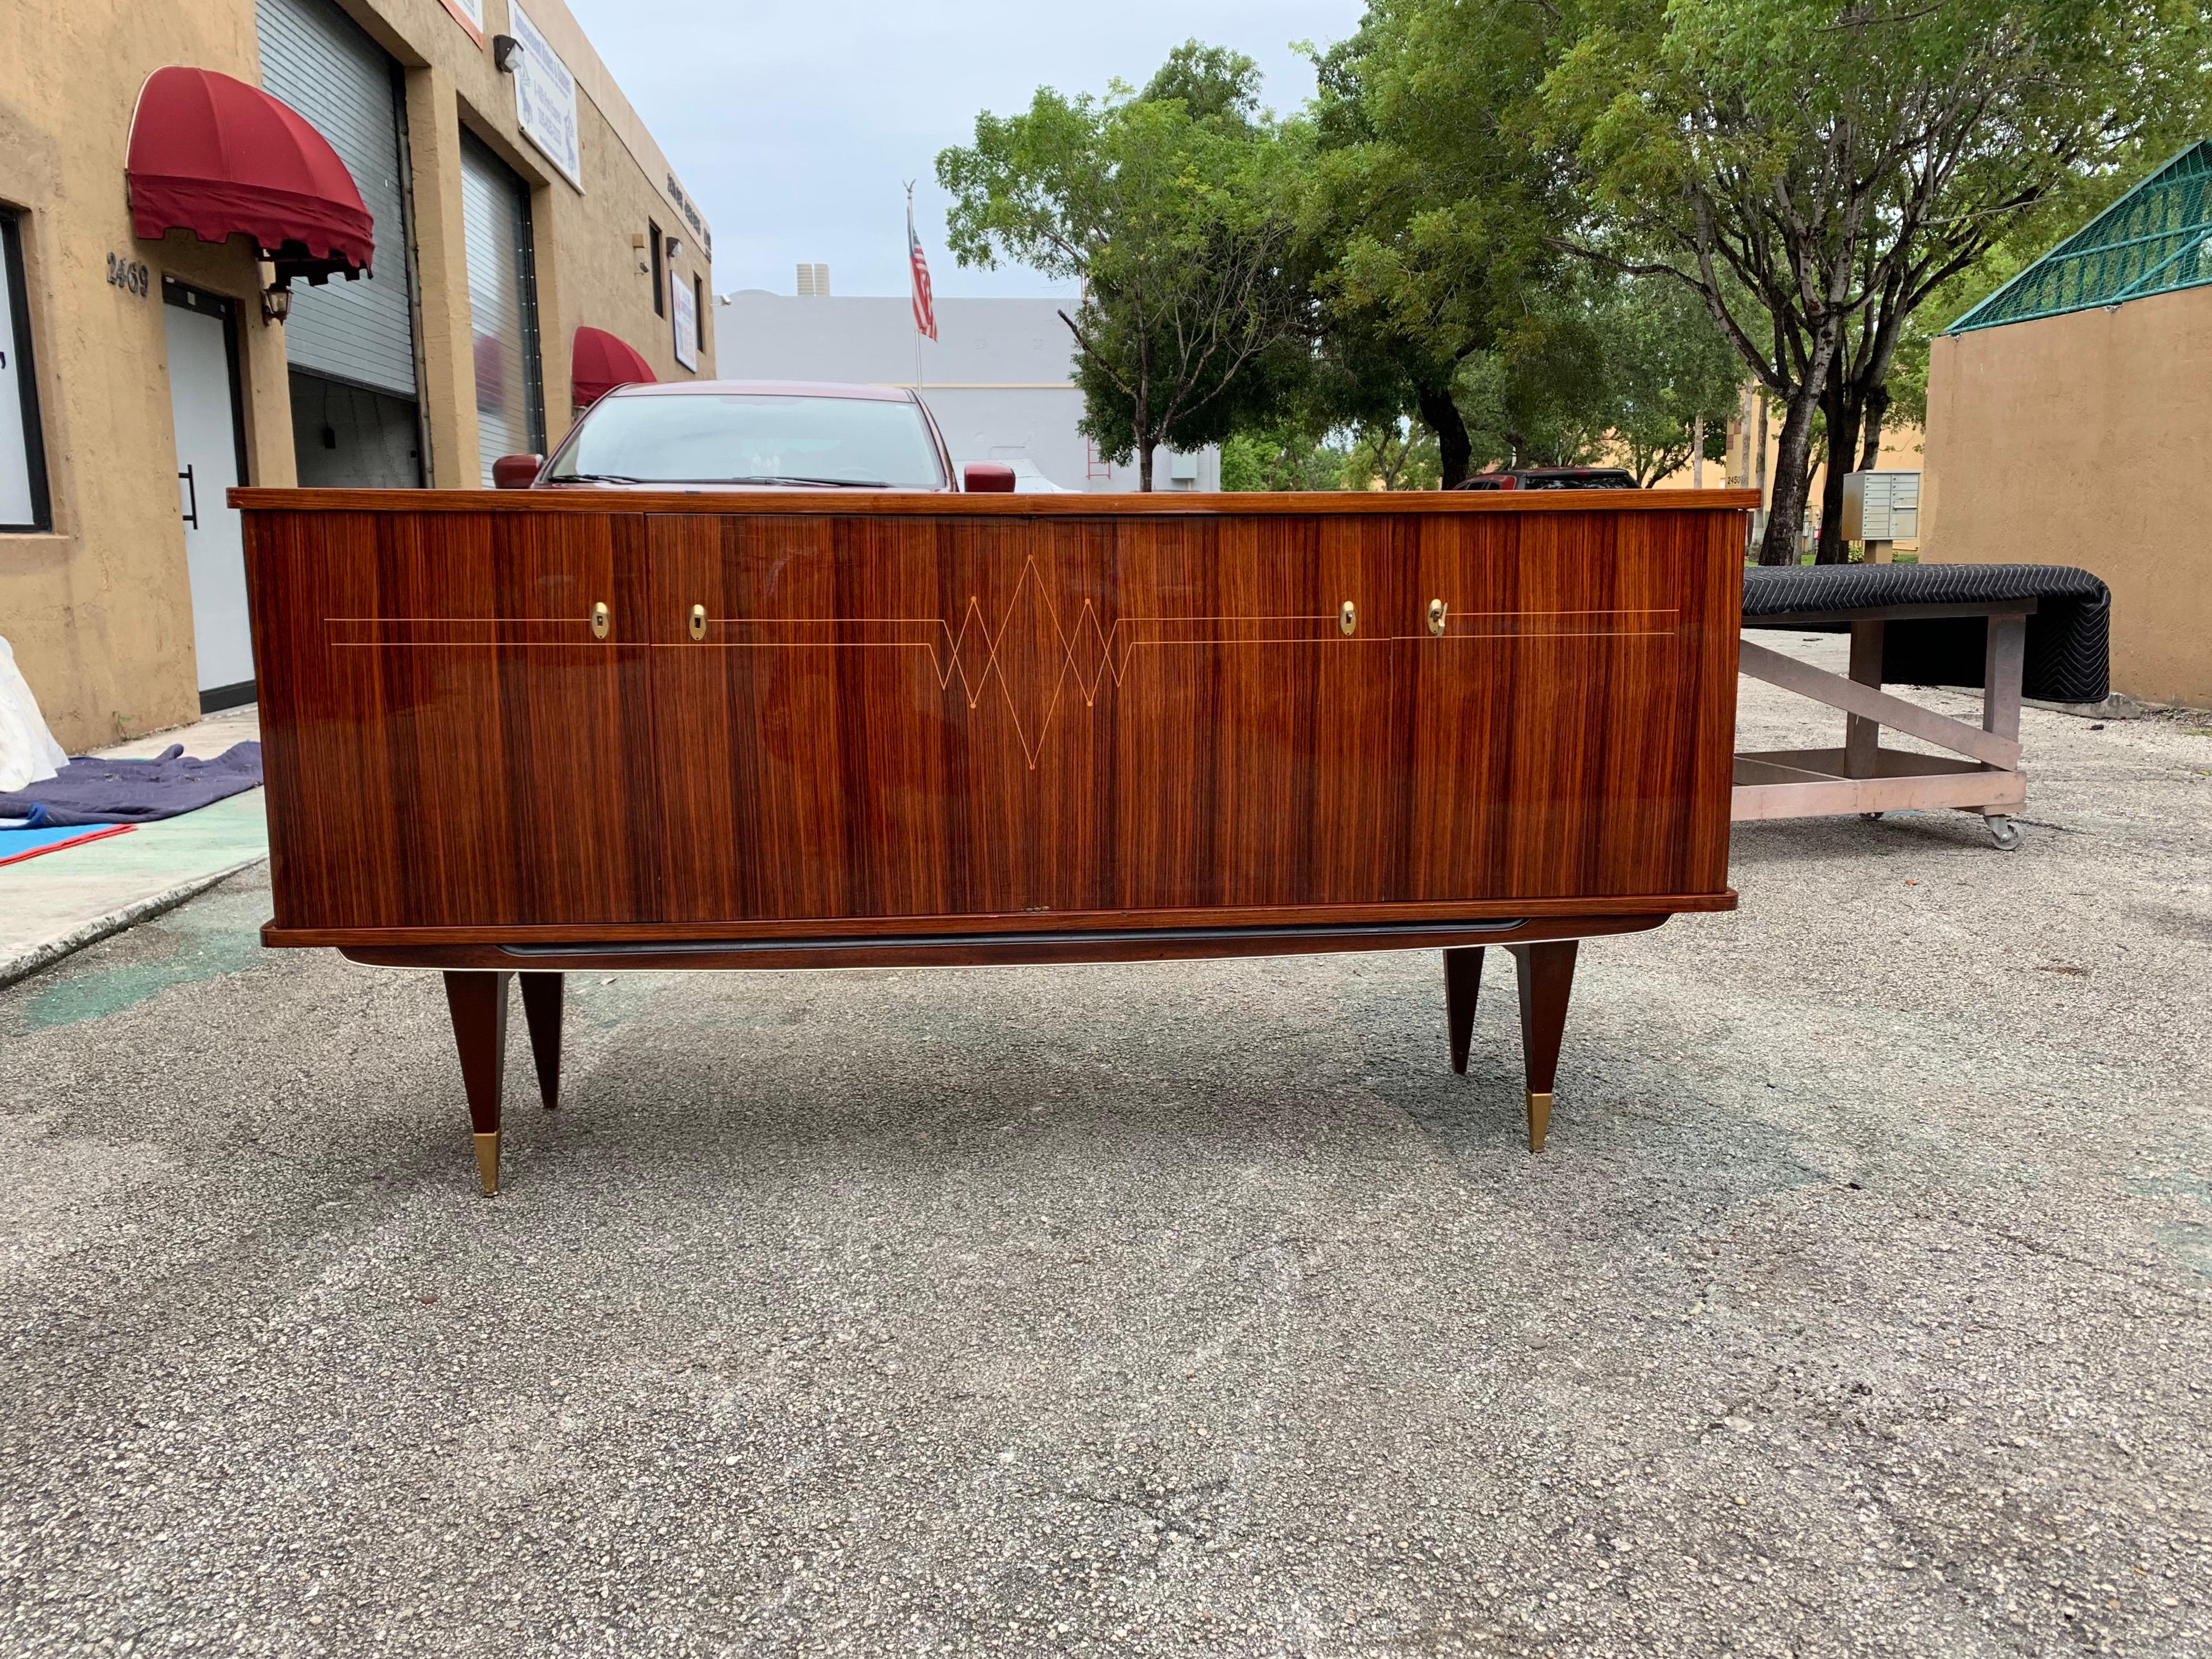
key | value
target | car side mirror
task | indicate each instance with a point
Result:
(986, 477)
(515, 471)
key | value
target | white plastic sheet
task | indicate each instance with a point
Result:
(28, 753)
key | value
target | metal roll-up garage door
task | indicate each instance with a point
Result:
(317, 60)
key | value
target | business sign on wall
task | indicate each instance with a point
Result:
(684, 311)
(545, 97)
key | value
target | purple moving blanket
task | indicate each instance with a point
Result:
(92, 791)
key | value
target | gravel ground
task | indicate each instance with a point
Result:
(1859, 1306)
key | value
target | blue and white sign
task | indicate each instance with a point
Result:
(545, 97)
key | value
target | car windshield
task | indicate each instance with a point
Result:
(744, 437)
(1580, 480)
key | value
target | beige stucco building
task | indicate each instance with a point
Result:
(2067, 420)
(139, 377)
(2080, 439)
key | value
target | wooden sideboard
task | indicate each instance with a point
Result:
(530, 732)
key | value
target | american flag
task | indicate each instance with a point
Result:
(925, 305)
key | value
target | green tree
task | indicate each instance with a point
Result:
(1286, 456)
(1609, 368)
(1429, 226)
(1538, 398)
(1814, 171)
(1173, 207)
(1668, 376)
(1395, 454)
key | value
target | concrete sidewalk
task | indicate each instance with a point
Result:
(61, 902)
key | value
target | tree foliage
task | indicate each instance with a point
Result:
(1668, 374)
(1814, 172)
(1285, 456)
(1388, 454)
(1429, 224)
(1563, 230)
(1621, 371)
(1173, 207)
(1397, 454)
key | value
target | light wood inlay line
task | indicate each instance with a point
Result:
(1109, 649)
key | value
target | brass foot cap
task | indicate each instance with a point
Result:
(1540, 1119)
(488, 1162)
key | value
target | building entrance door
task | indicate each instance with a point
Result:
(210, 451)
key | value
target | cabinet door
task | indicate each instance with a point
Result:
(449, 742)
(895, 716)
(1573, 710)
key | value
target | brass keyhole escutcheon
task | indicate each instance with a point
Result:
(698, 622)
(1346, 617)
(1437, 618)
(600, 622)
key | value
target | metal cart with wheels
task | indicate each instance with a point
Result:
(2036, 630)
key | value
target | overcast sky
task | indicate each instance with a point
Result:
(794, 124)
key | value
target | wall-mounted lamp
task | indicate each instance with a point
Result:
(503, 50)
(276, 302)
(675, 247)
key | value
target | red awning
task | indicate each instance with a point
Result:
(601, 363)
(218, 158)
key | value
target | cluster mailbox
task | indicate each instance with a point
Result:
(1881, 509)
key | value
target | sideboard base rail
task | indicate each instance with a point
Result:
(478, 979)
(1061, 949)
(811, 931)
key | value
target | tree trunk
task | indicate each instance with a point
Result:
(1877, 411)
(1841, 405)
(1785, 514)
(1140, 416)
(1854, 414)
(1454, 449)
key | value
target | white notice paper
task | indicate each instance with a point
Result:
(16, 500)
(545, 97)
(685, 313)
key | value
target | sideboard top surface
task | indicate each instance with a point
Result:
(889, 503)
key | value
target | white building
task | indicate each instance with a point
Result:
(999, 376)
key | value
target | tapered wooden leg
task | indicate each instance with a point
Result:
(1462, 980)
(478, 1001)
(541, 1008)
(1546, 973)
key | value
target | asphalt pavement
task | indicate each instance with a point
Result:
(1862, 1302)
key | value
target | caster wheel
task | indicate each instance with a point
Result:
(2006, 835)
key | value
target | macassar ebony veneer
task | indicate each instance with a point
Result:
(532, 732)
